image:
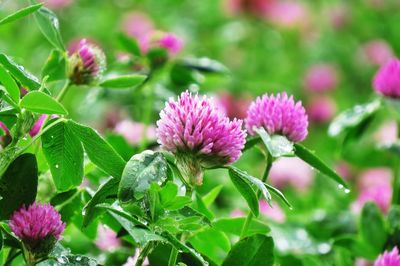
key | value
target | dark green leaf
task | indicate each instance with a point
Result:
(55, 66)
(372, 227)
(69, 260)
(62, 197)
(129, 44)
(140, 235)
(310, 158)
(201, 207)
(352, 117)
(64, 154)
(18, 185)
(234, 226)
(251, 142)
(254, 181)
(277, 145)
(106, 191)
(49, 25)
(210, 197)
(278, 193)
(98, 150)
(140, 172)
(245, 190)
(9, 84)
(39, 102)
(394, 218)
(127, 81)
(182, 247)
(256, 250)
(20, 73)
(211, 243)
(20, 14)
(206, 65)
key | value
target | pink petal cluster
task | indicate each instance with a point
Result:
(107, 239)
(321, 109)
(391, 258)
(171, 43)
(36, 222)
(377, 52)
(338, 16)
(278, 114)
(288, 14)
(38, 125)
(387, 133)
(133, 132)
(374, 185)
(139, 26)
(88, 63)
(133, 259)
(282, 173)
(320, 78)
(387, 79)
(193, 125)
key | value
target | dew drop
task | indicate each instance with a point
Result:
(340, 186)
(57, 166)
(347, 191)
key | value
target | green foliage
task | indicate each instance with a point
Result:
(40, 102)
(20, 14)
(126, 81)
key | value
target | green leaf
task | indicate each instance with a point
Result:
(140, 235)
(106, 191)
(69, 260)
(1, 240)
(251, 142)
(206, 65)
(277, 145)
(126, 81)
(140, 172)
(55, 66)
(9, 84)
(178, 203)
(39, 102)
(255, 250)
(310, 158)
(168, 193)
(353, 117)
(182, 247)
(372, 227)
(210, 197)
(278, 193)
(98, 150)
(49, 25)
(20, 73)
(211, 243)
(245, 190)
(64, 154)
(394, 218)
(129, 44)
(201, 207)
(20, 14)
(254, 181)
(18, 185)
(62, 197)
(234, 226)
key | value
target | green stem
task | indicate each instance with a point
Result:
(249, 218)
(11, 256)
(63, 91)
(173, 257)
(143, 254)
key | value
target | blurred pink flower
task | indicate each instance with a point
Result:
(133, 132)
(344, 169)
(252, 7)
(275, 213)
(321, 78)
(374, 185)
(237, 213)
(387, 80)
(387, 133)
(391, 258)
(338, 16)
(321, 109)
(288, 14)
(363, 262)
(234, 106)
(107, 239)
(282, 173)
(132, 260)
(377, 52)
(170, 42)
(57, 4)
(139, 26)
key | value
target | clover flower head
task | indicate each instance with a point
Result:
(387, 79)
(200, 134)
(391, 258)
(87, 63)
(278, 114)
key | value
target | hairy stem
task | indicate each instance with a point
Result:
(143, 254)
